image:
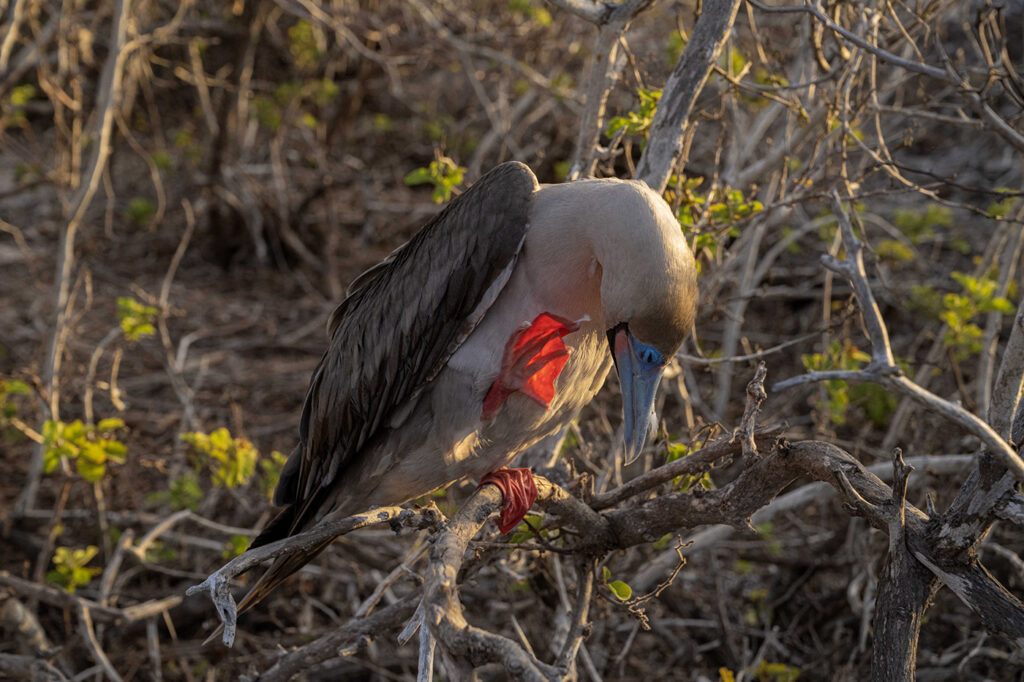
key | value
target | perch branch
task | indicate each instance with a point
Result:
(217, 584)
(693, 464)
(748, 423)
(442, 612)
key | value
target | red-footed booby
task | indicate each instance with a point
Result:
(483, 334)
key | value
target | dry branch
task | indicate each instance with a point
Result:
(217, 585)
(882, 367)
(665, 144)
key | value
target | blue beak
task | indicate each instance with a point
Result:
(640, 368)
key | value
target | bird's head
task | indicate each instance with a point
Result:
(649, 300)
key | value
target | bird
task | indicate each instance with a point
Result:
(484, 333)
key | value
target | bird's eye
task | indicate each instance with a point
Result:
(650, 356)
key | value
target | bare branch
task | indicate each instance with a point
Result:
(695, 463)
(748, 424)
(217, 584)
(442, 611)
(107, 99)
(603, 69)
(882, 367)
(328, 646)
(665, 143)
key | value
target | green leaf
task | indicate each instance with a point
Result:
(21, 94)
(420, 176)
(230, 461)
(70, 570)
(620, 590)
(136, 319)
(235, 545)
(140, 210)
(110, 424)
(184, 492)
(270, 472)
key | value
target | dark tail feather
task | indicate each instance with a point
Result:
(286, 524)
(279, 527)
(278, 572)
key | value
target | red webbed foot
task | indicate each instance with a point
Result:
(518, 491)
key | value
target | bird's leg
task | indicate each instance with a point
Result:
(518, 491)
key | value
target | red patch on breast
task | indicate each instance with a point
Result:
(534, 357)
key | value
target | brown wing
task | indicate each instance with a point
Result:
(399, 325)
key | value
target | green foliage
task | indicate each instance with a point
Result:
(978, 296)
(523, 531)
(716, 213)
(302, 45)
(674, 48)
(382, 123)
(925, 300)
(776, 672)
(686, 482)
(436, 127)
(999, 209)
(231, 461)
(662, 542)
(294, 102)
(185, 142)
(893, 250)
(725, 205)
(763, 76)
(89, 446)
(184, 492)
(235, 545)
(443, 173)
(21, 94)
(270, 472)
(742, 567)
(9, 387)
(12, 107)
(920, 226)
(531, 12)
(732, 205)
(637, 122)
(140, 210)
(877, 403)
(136, 319)
(162, 160)
(765, 530)
(737, 61)
(620, 589)
(158, 551)
(70, 571)
(676, 451)
(838, 356)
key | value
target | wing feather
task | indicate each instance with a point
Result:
(399, 325)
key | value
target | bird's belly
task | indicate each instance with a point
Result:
(444, 439)
(521, 421)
